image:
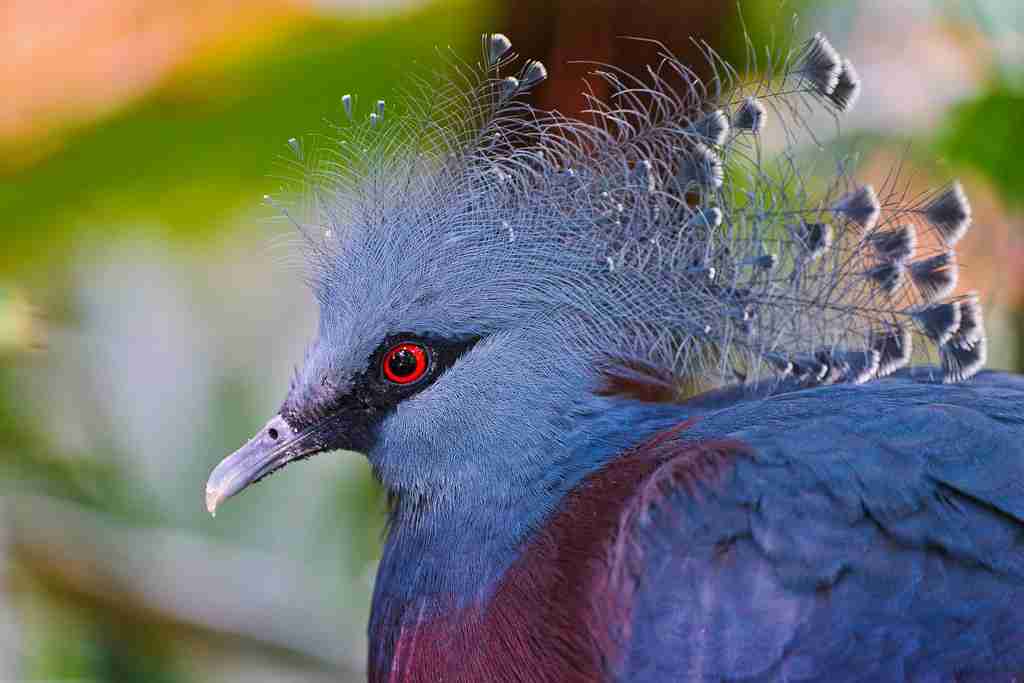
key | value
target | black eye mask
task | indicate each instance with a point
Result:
(371, 393)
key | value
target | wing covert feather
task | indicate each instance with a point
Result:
(874, 532)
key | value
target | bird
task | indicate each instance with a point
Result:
(652, 395)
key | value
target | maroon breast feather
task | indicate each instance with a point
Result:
(562, 612)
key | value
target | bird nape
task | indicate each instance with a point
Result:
(511, 302)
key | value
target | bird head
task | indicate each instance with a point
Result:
(485, 270)
(420, 346)
(440, 295)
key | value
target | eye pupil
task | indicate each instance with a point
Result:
(402, 363)
(405, 363)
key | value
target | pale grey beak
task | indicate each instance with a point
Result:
(272, 448)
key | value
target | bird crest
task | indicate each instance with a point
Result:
(682, 226)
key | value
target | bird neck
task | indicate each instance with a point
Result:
(446, 554)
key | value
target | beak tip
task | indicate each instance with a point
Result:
(213, 499)
(258, 457)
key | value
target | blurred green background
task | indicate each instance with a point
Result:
(151, 309)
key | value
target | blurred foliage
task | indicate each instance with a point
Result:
(986, 134)
(28, 463)
(761, 23)
(195, 152)
(85, 645)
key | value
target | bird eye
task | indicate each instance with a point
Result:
(405, 363)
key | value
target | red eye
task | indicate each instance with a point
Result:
(405, 363)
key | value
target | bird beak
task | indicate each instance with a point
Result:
(273, 447)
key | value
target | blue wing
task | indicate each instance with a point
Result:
(874, 533)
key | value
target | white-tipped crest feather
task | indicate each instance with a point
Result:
(713, 127)
(844, 96)
(949, 213)
(498, 46)
(935, 277)
(750, 116)
(860, 206)
(894, 244)
(820, 65)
